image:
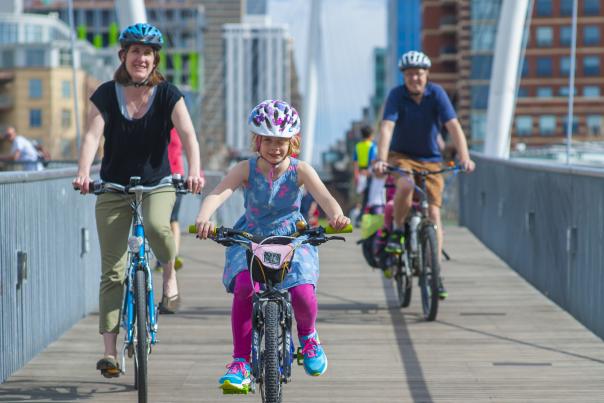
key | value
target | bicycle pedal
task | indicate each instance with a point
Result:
(243, 391)
(299, 356)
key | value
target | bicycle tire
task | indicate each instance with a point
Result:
(142, 348)
(271, 381)
(429, 272)
(403, 285)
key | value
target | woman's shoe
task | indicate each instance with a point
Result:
(169, 305)
(109, 367)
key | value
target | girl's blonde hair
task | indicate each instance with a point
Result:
(294, 144)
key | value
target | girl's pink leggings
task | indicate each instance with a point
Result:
(304, 303)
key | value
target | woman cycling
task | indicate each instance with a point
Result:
(134, 113)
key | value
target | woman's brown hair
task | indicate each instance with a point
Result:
(122, 76)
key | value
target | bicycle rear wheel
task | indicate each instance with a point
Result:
(429, 272)
(403, 284)
(142, 346)
(271, 380)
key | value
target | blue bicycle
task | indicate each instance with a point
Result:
(139, 313)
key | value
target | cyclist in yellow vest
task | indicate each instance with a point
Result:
(365, 151)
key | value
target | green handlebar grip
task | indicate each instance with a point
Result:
(331, 230)
(192, 229)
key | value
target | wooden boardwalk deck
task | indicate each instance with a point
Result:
(496, 340)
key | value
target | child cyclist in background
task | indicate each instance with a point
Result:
(272, 183)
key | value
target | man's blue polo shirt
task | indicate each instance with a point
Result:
(417, 125)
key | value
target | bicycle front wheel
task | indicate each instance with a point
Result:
(429, 272)
(403, 284)
(271, 382)
(142, 341)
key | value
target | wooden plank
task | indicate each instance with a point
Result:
(496, 339)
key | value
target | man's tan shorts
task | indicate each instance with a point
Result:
(435, 184)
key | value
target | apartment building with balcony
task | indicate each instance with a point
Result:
(36, 80)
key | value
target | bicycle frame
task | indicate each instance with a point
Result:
(138, 260)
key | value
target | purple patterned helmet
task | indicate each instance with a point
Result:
(274, 118)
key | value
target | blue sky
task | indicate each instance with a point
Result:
(351, 29)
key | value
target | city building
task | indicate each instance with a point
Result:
(403, 33)
(258, 64)
(541, 108)
(36, 80)
(439, 41)
(542, 103)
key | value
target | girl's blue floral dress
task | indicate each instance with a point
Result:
(273, 210)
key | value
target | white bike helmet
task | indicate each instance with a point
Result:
(414, 60)
(274, 118)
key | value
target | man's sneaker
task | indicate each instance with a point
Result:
(237, 378)
(315, 360)
(396, 242)
(442, 291)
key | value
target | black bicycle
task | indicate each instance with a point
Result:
(272, 345)
(421, 248)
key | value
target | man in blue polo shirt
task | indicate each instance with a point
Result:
(414, 114)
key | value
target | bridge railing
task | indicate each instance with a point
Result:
(546, 221)
(50, 261)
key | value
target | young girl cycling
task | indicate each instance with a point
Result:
(272, 183)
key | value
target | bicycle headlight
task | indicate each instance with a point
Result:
(135, 243)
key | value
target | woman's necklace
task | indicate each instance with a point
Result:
(137, 109)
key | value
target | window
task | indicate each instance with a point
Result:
(563, 91)
(65, 57)
(481, 67)
(65, 118)
(544, 66)
(33, 33)
(591, 65)
(591, 91)
(523, 92)
(545, 92)
(594, 125)
(545, 36)
(8, 32)
(34, 57)
(66, 89)
(566, 7)
(483, 37)
(7, 58)
(480, 96)
(544, 8)
(566, 35)
(35, 88)
(591, 35)
(564, 65)
(575, 124)
(591, 7)
(547, 125)
(525, 67)
(485, 9)
(479, 125)
(35, 117)
(524, 125)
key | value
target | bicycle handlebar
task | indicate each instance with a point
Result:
(316, 235)
(455, 168)
(100, 187)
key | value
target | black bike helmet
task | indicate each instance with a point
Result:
(142, 33)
